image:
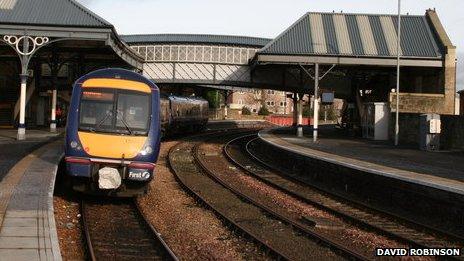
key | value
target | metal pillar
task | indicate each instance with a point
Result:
(316, 103)
(299, 132)
(53, 116)
(25, 46)
(398, 43)
(316, 79)
(295, 109)
(22, 108)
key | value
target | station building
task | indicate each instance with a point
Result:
(48, 44)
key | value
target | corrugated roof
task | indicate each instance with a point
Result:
(355, 35)
(49, 12)
(195, 38)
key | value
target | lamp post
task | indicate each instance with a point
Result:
(398, 48)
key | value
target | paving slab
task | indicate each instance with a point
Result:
(21, 254)
(27, 222)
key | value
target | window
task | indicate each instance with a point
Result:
(133, 111)
(270, 92)
(115, 111)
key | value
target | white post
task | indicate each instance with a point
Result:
(22, 109)
(398, 43)
(316, 103)
(300, 117)
(53, 119)
(325, 114)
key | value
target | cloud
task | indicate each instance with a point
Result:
(85, 2)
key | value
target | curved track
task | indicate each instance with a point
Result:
(116, 230)
(281, 236)
(238, 151)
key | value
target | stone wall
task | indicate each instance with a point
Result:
(452, 127)
(409, 128)
(421, 103)
(452, 130)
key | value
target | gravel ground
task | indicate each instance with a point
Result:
(332, 226)
(192, 232)
(68, 225)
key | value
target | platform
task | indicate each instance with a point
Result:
(27, 223)
(441, 170)
(427, 187)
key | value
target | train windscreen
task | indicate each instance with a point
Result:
(115, 112)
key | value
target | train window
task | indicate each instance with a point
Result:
(133, 110)
(115, 111)
(96, 109)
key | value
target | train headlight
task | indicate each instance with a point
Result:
(75, 145)
(147, 151)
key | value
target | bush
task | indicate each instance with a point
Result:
(246, 111)
(213, 98)
(263, 111)
(307, 111)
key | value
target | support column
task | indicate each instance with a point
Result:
(295, 109)
(22, 108)
(53, 116)
(299, 132)
(316, 103)
(225, 111)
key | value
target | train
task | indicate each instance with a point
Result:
(116, 121)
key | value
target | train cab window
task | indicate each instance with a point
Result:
(96, 109)
(134, 111)
(115, 112)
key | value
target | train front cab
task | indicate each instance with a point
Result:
(113, 133)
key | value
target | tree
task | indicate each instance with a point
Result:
(246, 111)
(213, 98)
(263, 111)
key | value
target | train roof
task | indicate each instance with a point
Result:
(117, 73)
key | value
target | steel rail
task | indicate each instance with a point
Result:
(302, 228)
(334, 211)
(92, 249)
(220, 213)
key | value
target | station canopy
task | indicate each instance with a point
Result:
(61, 23)
(356, 39)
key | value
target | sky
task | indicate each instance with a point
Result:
(260, 18)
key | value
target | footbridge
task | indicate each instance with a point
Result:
(210, 60)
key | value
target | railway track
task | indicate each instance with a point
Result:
(116, 230)
(282, 237)
(238, 151)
